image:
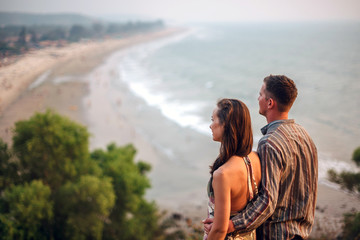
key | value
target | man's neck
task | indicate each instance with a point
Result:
(274, 116)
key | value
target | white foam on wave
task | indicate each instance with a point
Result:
(40, 79)
(149, 87)
(326, 163)
(184, 114)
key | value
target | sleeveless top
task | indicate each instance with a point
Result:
(253, 193)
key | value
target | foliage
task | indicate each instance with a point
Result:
(349, 180)
(98, 30)
(356, 156)
(51, 148)
(54, 34)
(30, 211)
(52, 187)
(78, 32)
(351, 226)
(130, 183)
(22, 38)
(89, 202)
(8, 168)
(6, 49)
(333, 176)
(63, 28)
(5, 181)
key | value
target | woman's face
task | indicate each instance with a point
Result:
(216, 127)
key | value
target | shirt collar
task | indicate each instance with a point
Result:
(274, 125)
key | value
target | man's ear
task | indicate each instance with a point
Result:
(271, 103)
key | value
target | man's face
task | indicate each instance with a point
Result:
(262, 100)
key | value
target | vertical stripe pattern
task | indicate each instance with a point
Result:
(285, 206)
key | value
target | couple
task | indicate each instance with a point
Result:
(270, 194)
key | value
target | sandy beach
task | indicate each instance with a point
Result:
(82, 93)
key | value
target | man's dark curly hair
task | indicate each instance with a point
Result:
(282, 89)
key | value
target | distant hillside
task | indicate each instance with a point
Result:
(9, 18)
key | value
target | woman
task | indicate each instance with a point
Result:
(236, 172)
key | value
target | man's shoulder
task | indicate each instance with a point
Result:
(285, 128)
(284, 132)
(279, 131)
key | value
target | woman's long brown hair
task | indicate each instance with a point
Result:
(237, 139)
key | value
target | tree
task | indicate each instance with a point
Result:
(52, 148)
(89, 202)
(22, 38)
(77, 32)
(132, 217)
(29, 211)
(8, 167)
(34, 38)
(54, 34)
(98, 30)
(58, 190)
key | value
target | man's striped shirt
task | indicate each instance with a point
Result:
(285, 206)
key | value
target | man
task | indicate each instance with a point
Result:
(285, 206)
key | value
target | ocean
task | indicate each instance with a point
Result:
(173, 84)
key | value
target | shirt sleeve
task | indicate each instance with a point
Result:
(257, 211)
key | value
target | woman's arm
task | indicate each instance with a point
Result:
(222, 195)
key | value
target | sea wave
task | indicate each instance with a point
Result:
(149, 87)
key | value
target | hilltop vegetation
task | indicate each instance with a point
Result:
(22, 32)
(52, 187)
(351, 182)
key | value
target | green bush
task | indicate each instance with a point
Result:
(356, 156)
(333, 176)
(52, 148)
(134, 217)
(52, 187)
(8, 167)
(30, 211)
(351, 226)
(89, 202)
(350, 181)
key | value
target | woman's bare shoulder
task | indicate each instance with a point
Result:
(253, 155)
(221, 175)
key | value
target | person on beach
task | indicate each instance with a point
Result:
(285, 205)
(236, 172)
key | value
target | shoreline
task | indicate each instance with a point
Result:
(83, 98)
(77, 58)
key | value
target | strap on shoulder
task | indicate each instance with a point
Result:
(251, 178)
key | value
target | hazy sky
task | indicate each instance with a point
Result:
(198, 10)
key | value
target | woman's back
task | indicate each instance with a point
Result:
(240, 177)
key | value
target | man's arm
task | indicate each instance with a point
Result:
(256, 212)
